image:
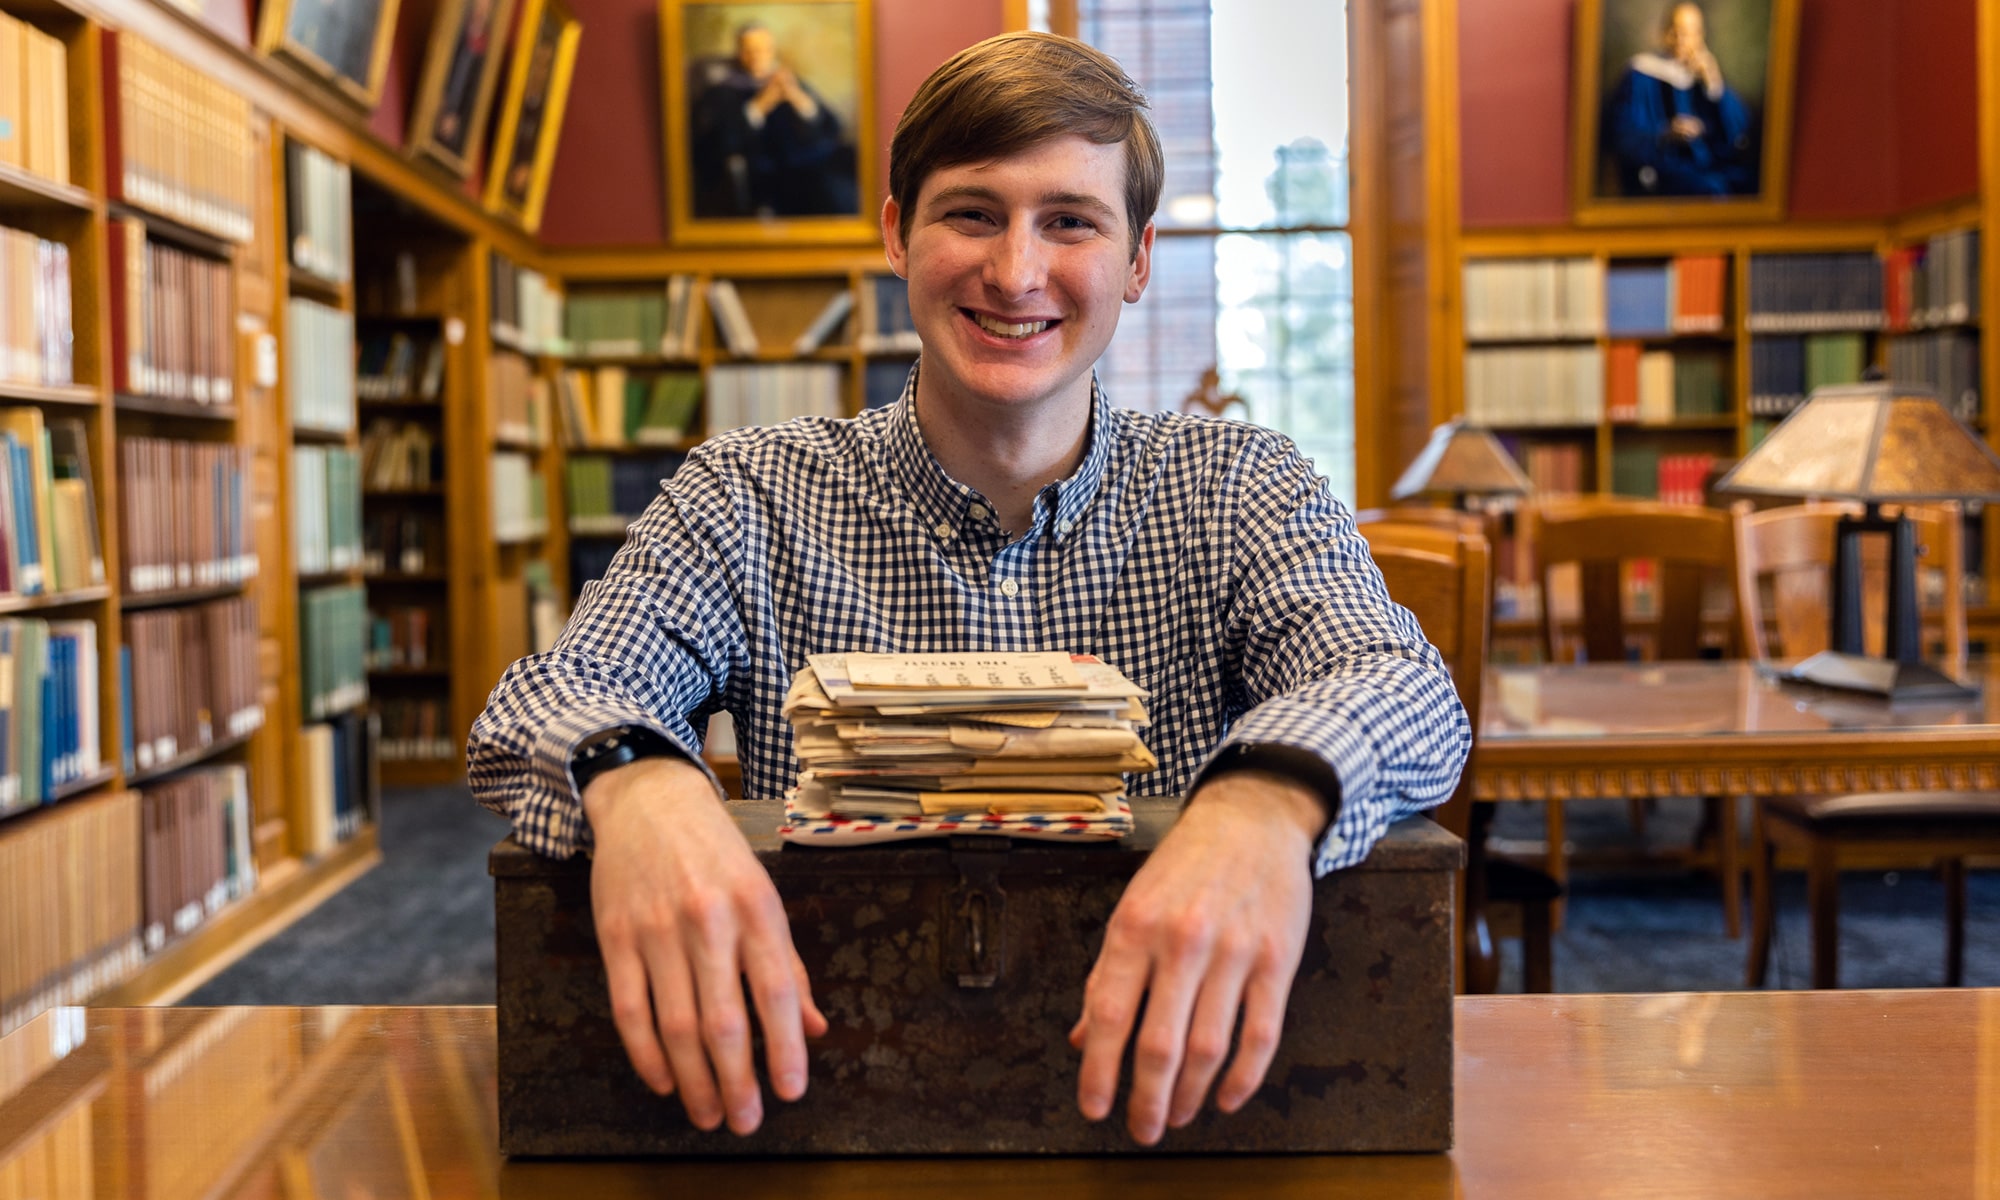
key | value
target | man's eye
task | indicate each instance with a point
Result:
(968, 214)
(1071, 223)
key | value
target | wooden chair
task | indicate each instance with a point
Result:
(1442, 573)
(1784, 571)
(1588, 552)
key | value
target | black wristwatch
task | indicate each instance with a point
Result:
(615, 747)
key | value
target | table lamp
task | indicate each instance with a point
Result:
(1462, 461)
(1877, 443)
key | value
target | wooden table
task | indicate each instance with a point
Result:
(1618, 730)
(1713, 1095)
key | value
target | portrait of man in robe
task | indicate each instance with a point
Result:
(1682, 108)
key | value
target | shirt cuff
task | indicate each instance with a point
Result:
(557, 744)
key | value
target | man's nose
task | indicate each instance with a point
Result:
(1018, 264)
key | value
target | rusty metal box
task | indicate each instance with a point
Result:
(951, 973)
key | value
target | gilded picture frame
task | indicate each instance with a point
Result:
(770, 122)
(342, 43)
(531, 114)
(1681, 111)
(461, 72)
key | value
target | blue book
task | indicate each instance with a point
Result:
(27, 533)
(125, 750)
(1638, 299)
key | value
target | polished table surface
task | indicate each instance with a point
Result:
(1805, 1094)
(1720, 729)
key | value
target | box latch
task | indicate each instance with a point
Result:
(975, 912)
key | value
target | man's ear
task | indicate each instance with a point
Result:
(1142, 266)
(892, 238)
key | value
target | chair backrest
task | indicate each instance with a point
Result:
(1589, 548)
(1784, 579)
(1445, 578)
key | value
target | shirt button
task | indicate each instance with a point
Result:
(977, 512)
(1063, 527)
(1009, 588)
(943, 531)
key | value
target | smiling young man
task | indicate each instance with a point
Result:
(1001, 504)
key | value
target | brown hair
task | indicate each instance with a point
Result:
(1013, 93)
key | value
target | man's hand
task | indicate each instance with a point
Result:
(1213, 923)
(1686, 128)
(684, 914)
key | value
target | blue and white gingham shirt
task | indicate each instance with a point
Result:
(1203, 558)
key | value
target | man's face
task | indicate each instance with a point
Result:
(1686, 38)
(1017, 268)
(757, 53)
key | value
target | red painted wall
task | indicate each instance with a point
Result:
(1937, 99)
(1884, 109)
(609, 185)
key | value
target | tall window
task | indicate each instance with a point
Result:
(1253, 265)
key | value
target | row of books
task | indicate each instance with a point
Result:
(177, 143)
(183, 509)
(34, 108)
(1944, 360)
(1644, 472)
(632, 322)
(399, 455)
(1512, 299)
(1804, 293)
(49, 733)
(608, 407)
(197, 849)
(1534, 385)
(606, 494)
(1654, 387)
(396, 365)
(1685, 294)
(333, 633)
(319, 366)
(402, 543)
(527, 312)
(520, 498)
(1555, 468)
(37, 337)
(418, 730)
(173, 319)
(190, 679)
(404, 636)
(48, 505)
(1935, 283)
(326, 509)
(885, 325)
(342, 780)
(740, 395)
(70, 905)
(519, 399)
(319, 217)
(1784, 370)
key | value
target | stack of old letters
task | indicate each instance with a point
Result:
(916, 745)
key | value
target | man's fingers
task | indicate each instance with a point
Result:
(1162, 1038)
(632, 1013)
(815, 1020)
(679, 1021)
(1263, 1020)
(768, 961)
(1208, 1037)
(725, 1024)
(1110, 1003)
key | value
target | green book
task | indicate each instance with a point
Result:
(671, 401)
(1635, 471)
(1835, 358)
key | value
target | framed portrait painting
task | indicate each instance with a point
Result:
(1682, 110)
(531, 115)
(456, 92)
(345, 43)
(770, 121)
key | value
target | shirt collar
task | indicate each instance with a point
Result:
(939, 499)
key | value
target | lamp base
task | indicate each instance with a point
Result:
(1878, 676)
